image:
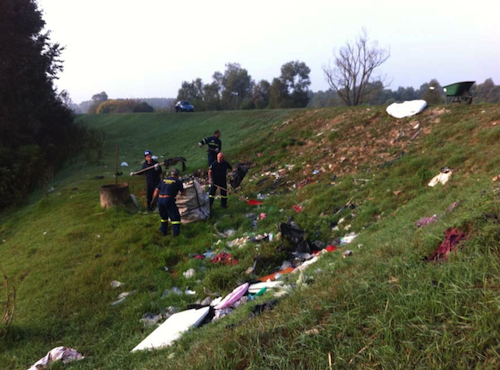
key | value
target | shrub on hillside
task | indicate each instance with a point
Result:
(123, 106)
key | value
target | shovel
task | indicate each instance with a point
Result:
(251, 202)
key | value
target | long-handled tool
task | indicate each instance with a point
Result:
(251, 202)
(144, 169)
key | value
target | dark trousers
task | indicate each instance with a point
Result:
(212, 157)
(223, 193)
(150, 189)
(168, 210)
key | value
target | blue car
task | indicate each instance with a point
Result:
(184, 106)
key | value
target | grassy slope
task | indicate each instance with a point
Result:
(382, 308)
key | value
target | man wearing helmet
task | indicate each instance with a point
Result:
(166, 190)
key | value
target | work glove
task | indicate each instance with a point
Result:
(200, 144)
(132, 173)
(217, 150)
(157, 167)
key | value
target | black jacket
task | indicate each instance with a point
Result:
(153, 176)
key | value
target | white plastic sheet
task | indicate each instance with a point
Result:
(406, 109)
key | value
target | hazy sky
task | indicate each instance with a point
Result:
(147, 48)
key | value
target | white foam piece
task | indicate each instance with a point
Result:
(172, 329)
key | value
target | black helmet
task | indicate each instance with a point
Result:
(175, 172)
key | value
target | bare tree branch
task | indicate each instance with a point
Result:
(351, 73)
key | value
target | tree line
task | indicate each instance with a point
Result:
(352, 75)
(37, 130)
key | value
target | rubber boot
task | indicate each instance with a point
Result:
(164, 228)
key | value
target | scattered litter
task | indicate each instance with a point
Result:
(165, 268)
(424, 221)
(241, 301)
(172, 329)
(116, 284)
(240, 242)
(154, 157)
(189, 273)
(297, 208)
(232, 297)
(150, 319)
(289, 166)
(262, 196)
(397, 192)
(442, 178)
(225, 259)
(285, 265)
(306, 264)
(251, 269)
(189, 292)
(315, 172)
(348, 238)
(452, 206)
(260, 237)
(174, 290)
(219, 314)
(227, 233)
(276, 275)
(124, 164)
(216, 301)
(304, 183)
(98, 236)
(267, 306)
(209, 254)
(239, 173)
(255, 288)
(295, 235)
(45, 233)
(453, 237)
(406, 109)
(318, 245)
(197, 256)
(63, 354)
(496, 178)
(331, 248)
(122, 297)
(207, 301)
(347, 253)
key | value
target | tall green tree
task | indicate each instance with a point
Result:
(237, 85)
(36, 129)
(260, 94)
(291, 89)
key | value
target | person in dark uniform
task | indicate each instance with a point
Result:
(214, 146)
(153, 176)
(167, 190)
(217, 176)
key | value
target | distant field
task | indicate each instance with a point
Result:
(382, 308)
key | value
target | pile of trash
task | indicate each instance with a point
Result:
(279, 283)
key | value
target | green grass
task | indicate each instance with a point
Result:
(382, 308)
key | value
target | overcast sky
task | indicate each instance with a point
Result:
(146, 48)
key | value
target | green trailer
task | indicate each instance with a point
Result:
(459, 92)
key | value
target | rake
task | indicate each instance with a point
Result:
(250, 202)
